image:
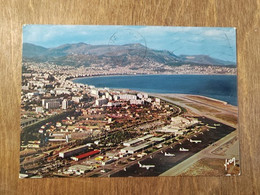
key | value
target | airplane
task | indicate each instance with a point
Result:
(145, 166)
(195, 141)
(184, 150)
(168, 154)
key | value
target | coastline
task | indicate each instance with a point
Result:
(182, 87)
(115, 75)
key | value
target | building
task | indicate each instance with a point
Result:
(30, 95)
(85, 155)
(148, 136)
(55, 137)
(109, 161)
(45, 101)
(79, 169)
(132, 150)
(25, 87)
(168, 129)
(76, 99)
(52, 105)
(39, 110)
(137, 102)
(73, 151)
(145, 95)
(107, 95)
(94, 92)
(59, 91)
(65, 104)
(182, 122)
(100, 102)
(57, 140)
(113, 104)
(157, 100)
(127, 97)
(116, 97)
(149, 100)
(131, 142)
(142, 95)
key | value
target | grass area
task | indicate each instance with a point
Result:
(228, 117)
(203, 108)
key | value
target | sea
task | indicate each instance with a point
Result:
(221, 87)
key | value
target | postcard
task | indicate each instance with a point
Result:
(128, 101)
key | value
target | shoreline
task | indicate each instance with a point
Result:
(226, 99)
(119, 75)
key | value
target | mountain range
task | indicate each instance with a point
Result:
(79, 54)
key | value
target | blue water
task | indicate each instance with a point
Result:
(221, 87)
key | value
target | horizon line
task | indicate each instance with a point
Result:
(234, 63)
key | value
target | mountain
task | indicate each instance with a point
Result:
(31, 50)
(204, 59)
(79, 54)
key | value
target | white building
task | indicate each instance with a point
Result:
(52, 105)
(39, 110)
(116, 97)
(79, 169)
(157, 100)
(100, 102)
(131, 142)
(65, 104)
(127, 97)
(76, 99)
(142, 95)
(94, 92)
(113, 104)
(137, 102)
(60, 91)
(30, 95)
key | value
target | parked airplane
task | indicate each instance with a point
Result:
(184, 150)
(168, 154)
(145, 166)
(195, 141)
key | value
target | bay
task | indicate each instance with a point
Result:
(221, 87)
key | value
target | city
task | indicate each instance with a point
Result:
(77, 130)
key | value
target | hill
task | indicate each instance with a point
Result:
(79, 54)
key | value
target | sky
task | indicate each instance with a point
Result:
(217, 42)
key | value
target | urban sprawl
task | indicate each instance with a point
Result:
(71, 129)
